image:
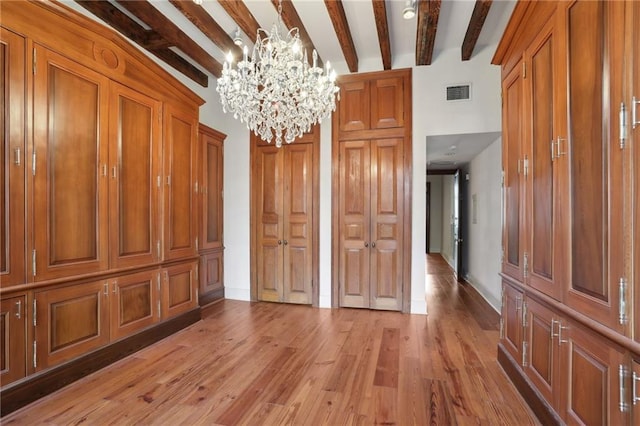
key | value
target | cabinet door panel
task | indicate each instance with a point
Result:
(12, 159)
(70, 184)
(134, 303)
(212, 168)
(513, 196)
(387, 103)
(595, 157)
(298, 223)
(13, 321)
(354, 106)
(179, 289)
(387, 183)
(268, 172)
(71, 321)
(134, 158)
(179, 173)
(211, 272)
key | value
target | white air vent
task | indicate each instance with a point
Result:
(460, 92)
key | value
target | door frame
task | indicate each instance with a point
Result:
(254, 141)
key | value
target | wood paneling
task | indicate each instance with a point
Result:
(13, 336)
(13, 157)
(70, 182)
(135, 143)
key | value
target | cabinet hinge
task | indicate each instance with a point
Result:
(623, 125)
(526, 265)
(33, 262)
(524, 70)
(35, 57)
(35, 310)
(524, 353)
(35, 351)
(33, 163)
(622, 306)
(622, 383)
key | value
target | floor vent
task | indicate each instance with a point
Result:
(460, 92)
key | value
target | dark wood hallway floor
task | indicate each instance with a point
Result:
(272, 364)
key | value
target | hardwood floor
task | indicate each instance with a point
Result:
(262, 363)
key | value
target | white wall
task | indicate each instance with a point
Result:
(447, 219)
(484, 235)
(435, 216)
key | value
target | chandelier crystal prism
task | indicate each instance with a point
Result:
(276, 92)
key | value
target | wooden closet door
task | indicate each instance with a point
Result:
(298, 223)
(513, 183)
(179, 182)
(594, 50)
(268, 175)
(12, 159)
(355, 220)
(134, 171)
(70, 110)
(387, 193)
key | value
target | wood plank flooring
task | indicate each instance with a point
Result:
(271, 364)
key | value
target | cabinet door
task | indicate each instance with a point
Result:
(591, 368)
(134, 303)
(298, 223)
(513, 181)
(134, 170)
(386, 212)
(179, 181)
(179, 289)
(512, 321)
(355, 106)
(70, 322)
(355, 218)
(12, 159)
(211, 163)
(268, 175)
(211, 272)
(13, 322)
(542, 360)
(594, 51)
(387, 103)
(545, 221)
(70, 132)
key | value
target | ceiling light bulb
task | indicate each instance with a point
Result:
(409, 10)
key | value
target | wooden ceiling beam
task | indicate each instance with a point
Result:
(291, 19)
(341, 26)
(428, 14)
(148, 39)
(380, 14)
(480, 12)
(209, 27)
(151, 16)
(239, 12)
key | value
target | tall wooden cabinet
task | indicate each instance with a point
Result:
(568, 190)
(285, 195)
(371, 213)
(211, 241)
(99, 221)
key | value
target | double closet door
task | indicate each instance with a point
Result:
(284, 210)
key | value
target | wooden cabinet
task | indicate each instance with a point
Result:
(12, 159)
(70, 321)
(180, 216)
(179, 292)
(134, 303)
(70, 138)
(511, 333)
(134, 170)
(13, 329)
(377, 103)
(371, 223)
(285, 195)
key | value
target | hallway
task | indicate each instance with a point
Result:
(273, 364)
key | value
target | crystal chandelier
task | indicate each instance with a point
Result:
(276, 92)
